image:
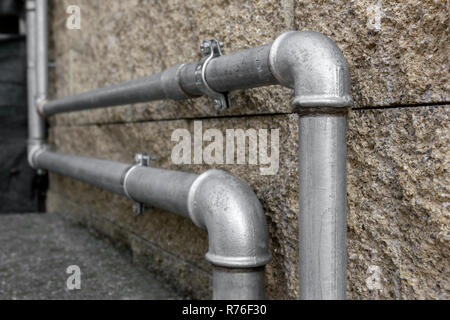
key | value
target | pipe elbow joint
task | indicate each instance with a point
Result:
(313, 65)
(34, 148)
(233, 216)
(170, 80)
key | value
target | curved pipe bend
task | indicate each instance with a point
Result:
(313, 65)
(233, 216)
(216, 201)
(34, 148)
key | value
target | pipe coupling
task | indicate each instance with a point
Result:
(170, 80)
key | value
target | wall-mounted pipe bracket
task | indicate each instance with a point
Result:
(210, 49)
(142, 160)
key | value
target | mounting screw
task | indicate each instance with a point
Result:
(138, 208)
(142, 159)
(205, 48)
(219, 104)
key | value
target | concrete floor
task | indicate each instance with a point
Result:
(36, 249)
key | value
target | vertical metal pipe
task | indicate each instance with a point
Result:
(238, 284)
(41, 50)
(322, 206)
(36, 130)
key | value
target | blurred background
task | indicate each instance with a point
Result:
(21, 189)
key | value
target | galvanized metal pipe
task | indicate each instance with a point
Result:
(35, 129)
(236, 225)
(41, 51)
(322, 206)
(244, 69)
(104, 174)
(316, 69)
(168, 190)
(139, 90)
(238, 284)
(36, 125)
(308, 62)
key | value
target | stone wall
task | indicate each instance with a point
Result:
(398, 190)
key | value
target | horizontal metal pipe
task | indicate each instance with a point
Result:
(308, 62)
(165, 189)
(236, 225)
(243, 69)
(240, 70)
(104, 174)
(134, 91)
(322, 206)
